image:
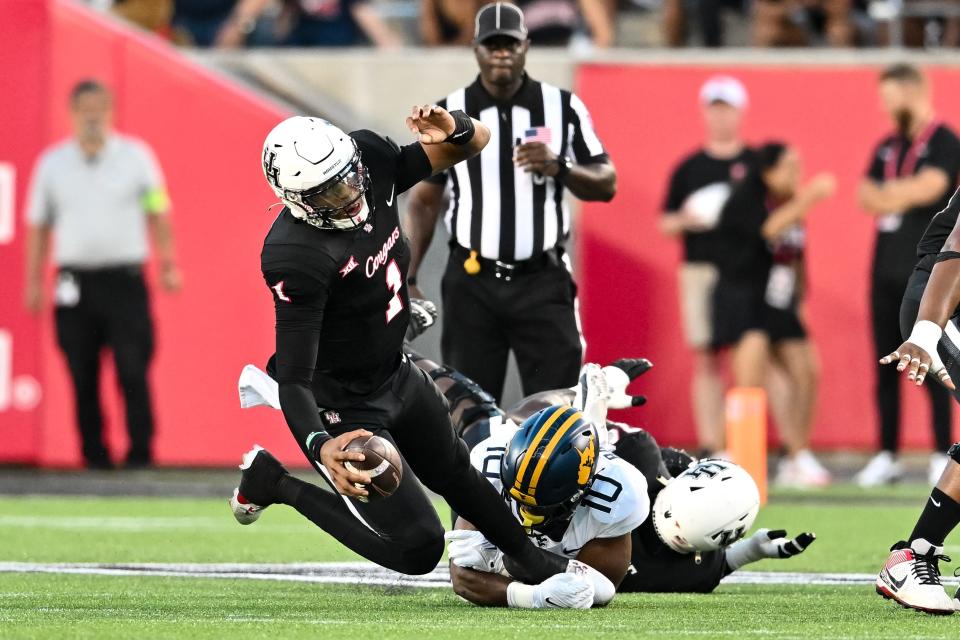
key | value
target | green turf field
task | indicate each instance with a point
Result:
(854, 530)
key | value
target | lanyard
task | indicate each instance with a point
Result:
(909, 165)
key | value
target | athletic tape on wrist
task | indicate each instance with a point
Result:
(926, 335)
(519, 595)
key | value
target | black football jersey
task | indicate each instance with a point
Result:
(343, 294)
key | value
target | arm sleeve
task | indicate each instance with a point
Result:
(587, 148)
(299, 301)
(40, 205)
(155, 198)
(676, 193)
(408, 164)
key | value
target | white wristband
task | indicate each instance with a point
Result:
(519, 595)
(926, 335)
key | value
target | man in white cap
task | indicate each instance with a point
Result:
(699, 187)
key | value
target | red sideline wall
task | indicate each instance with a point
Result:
(206, 133)
(649, 119)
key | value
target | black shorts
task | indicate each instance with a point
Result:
(737, 308)
(783, 324)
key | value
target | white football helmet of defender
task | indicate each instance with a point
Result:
(709, 506)
(315, 169)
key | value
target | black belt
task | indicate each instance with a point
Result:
(507, 270)
(132, 269)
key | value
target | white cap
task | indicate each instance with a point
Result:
(724, 89)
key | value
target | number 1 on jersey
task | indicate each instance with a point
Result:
(394, 282)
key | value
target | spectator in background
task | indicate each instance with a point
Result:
(706, 14)
(911, 176)
(98, 194)
(552, 23)
(152, 15)
(447, 22)
(200, 22)
(759, 247)
(312, 23)
(699, 186)
(796, 23)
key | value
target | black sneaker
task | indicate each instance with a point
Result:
(258, 485)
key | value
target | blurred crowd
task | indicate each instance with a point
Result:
(564, 23)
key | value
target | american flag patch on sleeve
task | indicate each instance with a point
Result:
(538, 134)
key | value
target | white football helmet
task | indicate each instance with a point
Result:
(315, 169)
(707, 507)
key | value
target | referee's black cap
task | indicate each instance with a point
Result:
(500, 19)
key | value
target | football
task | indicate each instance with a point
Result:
(381, 462)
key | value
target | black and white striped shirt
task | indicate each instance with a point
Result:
(497, 209)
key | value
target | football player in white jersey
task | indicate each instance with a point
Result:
(694, 559)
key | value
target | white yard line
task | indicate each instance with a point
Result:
(363, 573)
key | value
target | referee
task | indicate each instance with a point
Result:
(96, 195)
(507, 284)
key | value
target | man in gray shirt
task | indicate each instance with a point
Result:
(97, 194)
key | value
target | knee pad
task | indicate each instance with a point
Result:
(954, 452)
(463, 388)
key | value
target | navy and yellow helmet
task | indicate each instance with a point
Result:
(549, 465)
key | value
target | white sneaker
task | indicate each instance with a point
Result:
(938, 462)
(883, 468)
(802, 471)
(911, 577)
(244, 512)
(810, 470)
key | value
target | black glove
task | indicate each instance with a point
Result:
(633, 367)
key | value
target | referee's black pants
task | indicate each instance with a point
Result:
(534, 314)
(886, 295)
(113, 311)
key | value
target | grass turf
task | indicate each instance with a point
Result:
(854, 529)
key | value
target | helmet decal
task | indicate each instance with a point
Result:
(587, 459)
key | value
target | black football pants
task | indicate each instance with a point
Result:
(534, 314)
(404, 532)
(113, 312)
(889, 306)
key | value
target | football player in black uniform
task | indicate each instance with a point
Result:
(335, 260)
(929, 315)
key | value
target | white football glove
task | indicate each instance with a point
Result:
(563, 591)
(471, 550)
(591, 395)
(619, 375)
(423, 315)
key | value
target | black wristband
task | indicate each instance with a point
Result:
(463, 130)
(315, 442)
(943, 256)
(412, 281)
